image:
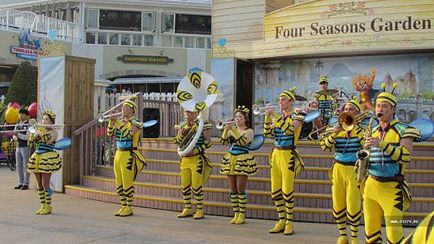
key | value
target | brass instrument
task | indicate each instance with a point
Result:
(346, 121)
(362, 162)
(260, 110)
(104, 117)
(106, 114)
(221, 125)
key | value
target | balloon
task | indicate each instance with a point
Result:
(33, 110)
(14, 105)
(11, 115)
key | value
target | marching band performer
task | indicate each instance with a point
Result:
(44, 161)
(238, 163)
(195, 166)
(128, 161)
(285, 161)
(386, 193)
(325, 99)
(345, 188)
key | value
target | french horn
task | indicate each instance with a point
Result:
(196, 92)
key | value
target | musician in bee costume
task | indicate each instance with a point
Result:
(195, 166)
(285, 161)
(386, 193)
(325, 100)
(238, 163)
(128, 161)
(44, 161)
(345, 189)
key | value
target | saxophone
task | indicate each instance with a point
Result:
(362, 162)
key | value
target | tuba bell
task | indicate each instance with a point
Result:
(196, 92)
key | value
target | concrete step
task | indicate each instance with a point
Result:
(210, 207)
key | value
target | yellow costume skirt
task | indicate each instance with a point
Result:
(46, 162)
(242, 164)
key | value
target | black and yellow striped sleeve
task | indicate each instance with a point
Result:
(201, 149)
(126, 129)
(224, 138)
(110, 128)
(411, 132)
(398, 153)
(287, 126)
(268, 132)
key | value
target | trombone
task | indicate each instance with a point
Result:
(107, 114)
(345, 120)
(221, 125)
(34, 127)
(260, 110)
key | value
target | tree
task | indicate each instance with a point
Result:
(23, 89)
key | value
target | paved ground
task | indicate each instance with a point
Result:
(77, 220)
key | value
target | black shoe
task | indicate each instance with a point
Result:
(25, 187)
(18, 187)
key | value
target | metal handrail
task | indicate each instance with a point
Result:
(12, 19)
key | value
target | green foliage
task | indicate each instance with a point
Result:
(428, 94)
(23, 89)
(405, 95)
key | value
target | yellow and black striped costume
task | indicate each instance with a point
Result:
(386, 192)
(424, 232)
(285, 163)
(44, 159)
(325, 105)
(346, 194)
(195, 171)
(128, 161)
(238, 161)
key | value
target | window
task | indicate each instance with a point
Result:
(189, 42)
(114, 39)
(167, 41)
(125, 39)
(200, 42)
(208, 43)
(120, 20)
(179, 41)
(193, 24)
(147, 22)
(102, 38)
(90, 38)
(92, 18)
(137, 40)
(167, 23)
(149, 40)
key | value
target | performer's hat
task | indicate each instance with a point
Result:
(387, 96)
(243, 109)
(290, 94)
(355, 103)
(130, 103)
(50, 114)
(323, 79)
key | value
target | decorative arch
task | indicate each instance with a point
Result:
(137, 72)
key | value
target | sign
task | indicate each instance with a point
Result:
(29, 47)
(344, 27)
(222, 51)
(142, 59)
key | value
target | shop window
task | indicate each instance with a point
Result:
(114, 39)
(193, 24)
(102, 38)
(200, 42)
(167, 41)
(179, 41)
(208, 43)
(167, 22)
(137, 40)
(92, 18)
(120, 20)
(189, 42)
(90, 38)
(125, 39)
(147, 22)
(148, 40)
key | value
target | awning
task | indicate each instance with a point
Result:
(146, 80)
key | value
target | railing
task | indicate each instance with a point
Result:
(39, 25)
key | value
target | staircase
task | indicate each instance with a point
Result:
(158, 186)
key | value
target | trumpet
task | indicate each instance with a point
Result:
(34, 127)
(221, 125)
(260, 110)
(104, 117)
(346, 121)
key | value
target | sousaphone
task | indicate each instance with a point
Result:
(196, 92)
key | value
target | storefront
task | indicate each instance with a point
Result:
(353, 42)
